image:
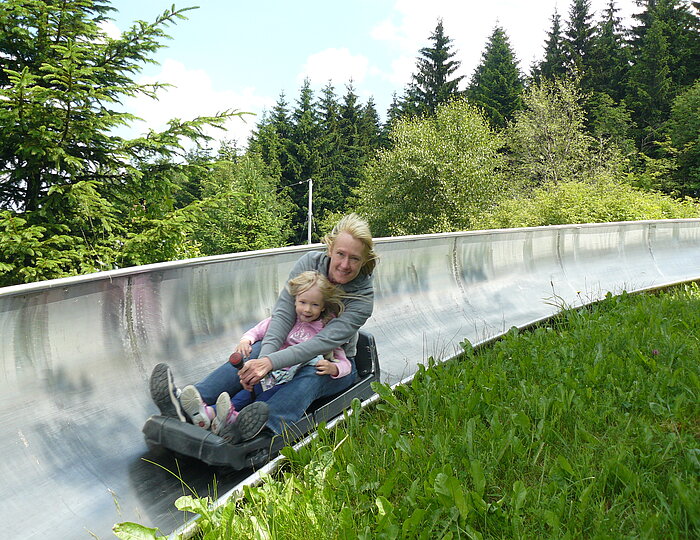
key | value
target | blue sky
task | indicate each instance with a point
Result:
(240, 55)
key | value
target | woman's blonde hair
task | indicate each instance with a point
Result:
(358, 228)
(332, 295)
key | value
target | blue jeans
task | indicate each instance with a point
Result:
(288, 404)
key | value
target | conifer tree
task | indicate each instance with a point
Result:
(610, 58)
(327, 190)
(579, 41)
(496, 85)
(650, 89)
(304, 146)
(434, 82)
(554, 63)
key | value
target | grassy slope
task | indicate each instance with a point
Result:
(588, 427)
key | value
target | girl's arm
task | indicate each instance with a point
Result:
(341, 360)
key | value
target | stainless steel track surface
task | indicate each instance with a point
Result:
(76, 353)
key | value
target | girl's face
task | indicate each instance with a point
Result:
(309, 304)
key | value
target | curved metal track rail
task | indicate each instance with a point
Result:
(76, 353)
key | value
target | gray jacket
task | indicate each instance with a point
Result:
(339, 332)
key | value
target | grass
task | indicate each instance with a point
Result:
(586, 427)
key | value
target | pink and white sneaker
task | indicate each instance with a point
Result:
(225, 413)
(192, 403)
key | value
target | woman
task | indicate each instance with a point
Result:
(348, 262)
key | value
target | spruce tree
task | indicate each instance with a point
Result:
(497, 85)
(327, 190)
(434, 82)
(578, 42)
(610, 58)
(650, 89)
(554, 63)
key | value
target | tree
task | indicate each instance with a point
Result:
(578, 42)
(244, 211)
(684, 134)
(554, 63)
(440, 172)
(610, 58)
(666, 60)
(434, 83)
(496, 85)
(547, 141)
(650, 89)
(76, 189)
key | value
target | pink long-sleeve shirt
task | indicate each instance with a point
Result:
(300, 332)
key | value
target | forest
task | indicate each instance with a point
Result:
(605, 127)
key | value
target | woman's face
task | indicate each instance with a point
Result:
(347, 258)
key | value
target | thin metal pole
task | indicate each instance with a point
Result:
(311, 189)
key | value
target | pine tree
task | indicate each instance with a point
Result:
(304, 146)
(497, 85)
(650, 89)
(434, 83)
(579, 41)
(353, 148)
(610, 58)
(327, 190)
(554, 63)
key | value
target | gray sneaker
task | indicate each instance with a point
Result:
(248, 424)
(164, 392)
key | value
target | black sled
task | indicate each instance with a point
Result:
(190, 440)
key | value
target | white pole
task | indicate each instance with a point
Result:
(311, 189)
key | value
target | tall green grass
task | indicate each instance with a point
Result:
(585, 427)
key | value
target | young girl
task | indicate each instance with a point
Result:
(316, 301)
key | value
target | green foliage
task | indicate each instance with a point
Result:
(583, 202)
(76, 197)
(548, 142)
(440, 173)
(496, 85)
(434, 82)
(241, 209)
(684, 132)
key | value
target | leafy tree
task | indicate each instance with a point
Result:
(496, 85)
(548, 142)
(439, 174)
(582, 202)
(77, 189)
(244, 210)
(434, 82)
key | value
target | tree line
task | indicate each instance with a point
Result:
(604, 127)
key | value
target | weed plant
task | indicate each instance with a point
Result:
(585, 427)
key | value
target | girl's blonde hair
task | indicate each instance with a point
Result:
(332, 295)
(358, 228)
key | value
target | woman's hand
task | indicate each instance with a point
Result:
(244, 347)
(253, 371)
(326, 367)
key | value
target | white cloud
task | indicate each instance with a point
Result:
(111, 29)
(192, 94)
(336, 65)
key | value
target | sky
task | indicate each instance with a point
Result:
(230, 54)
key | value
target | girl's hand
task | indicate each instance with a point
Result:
(244, 347)
(326, 367)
